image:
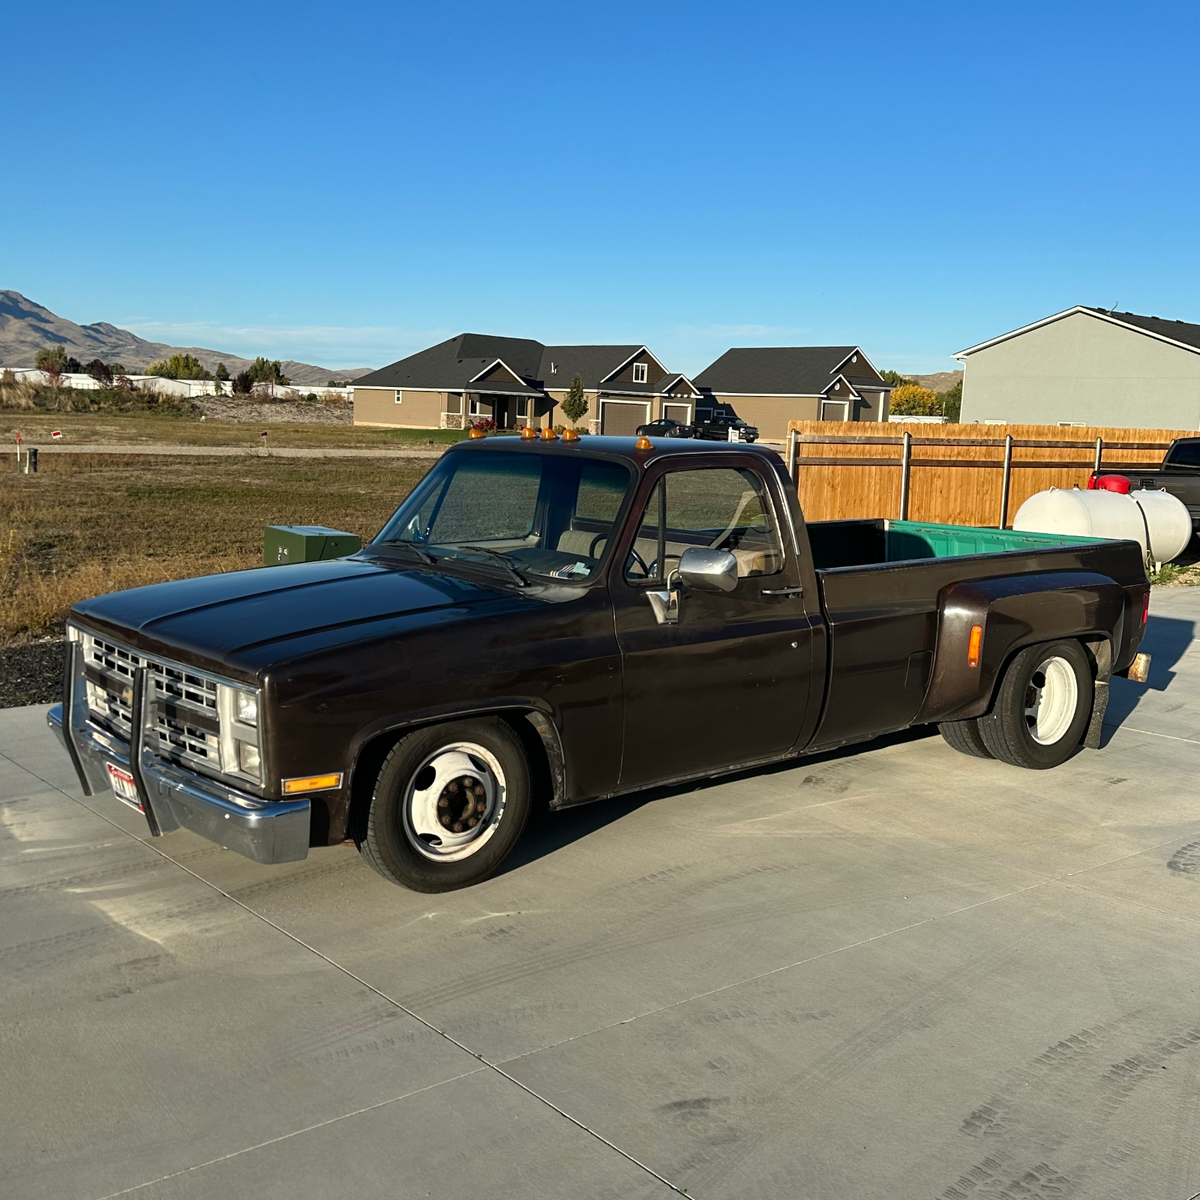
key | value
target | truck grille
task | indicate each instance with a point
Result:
(184, 724)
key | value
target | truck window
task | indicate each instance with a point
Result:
(717, 507)
(544, 515)
(1184, 454)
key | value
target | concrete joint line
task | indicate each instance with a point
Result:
(485, 1063)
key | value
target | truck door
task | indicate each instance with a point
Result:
(729, 681)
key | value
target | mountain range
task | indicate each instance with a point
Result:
(26, 327)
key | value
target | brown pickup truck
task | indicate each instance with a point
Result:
(559, 621)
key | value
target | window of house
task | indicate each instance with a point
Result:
(522, 404)
(854, 358)
(399, 396)
(639, 372)
(473, 408)
(717, 507)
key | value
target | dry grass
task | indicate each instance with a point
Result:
(133, 428)
(90, 524)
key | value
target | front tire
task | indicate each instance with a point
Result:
(1042, 707)
(449, 805)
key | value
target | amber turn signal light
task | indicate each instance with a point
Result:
(312, 783)
(644, 443)
(569, 435)
(475, 433)
(548, 434)
(973, 645)
(529, 434)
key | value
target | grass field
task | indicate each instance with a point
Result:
(125, 429)
(89, 524)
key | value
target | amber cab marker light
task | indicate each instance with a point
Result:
(644, 443)
(475, 433)
(548, 434)
(529, 434)
(973, 645)
(312, 783)
(569, 435)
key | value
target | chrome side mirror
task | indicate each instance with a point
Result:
(708, 570)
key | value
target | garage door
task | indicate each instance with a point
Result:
(677, 412)
(622, 420)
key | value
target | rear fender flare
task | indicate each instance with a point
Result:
(1014, 612)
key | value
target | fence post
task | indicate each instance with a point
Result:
(905, 473)
(791, 460)
(1099, 452)
(1007, 481)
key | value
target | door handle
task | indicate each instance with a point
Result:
(785, 591)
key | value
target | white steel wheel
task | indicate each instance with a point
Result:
(1051, 698)
(448, 805)
(1041, 706)
(454, 802)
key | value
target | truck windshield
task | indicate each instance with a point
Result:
(521, 514)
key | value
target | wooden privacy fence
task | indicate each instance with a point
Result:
(956, 474)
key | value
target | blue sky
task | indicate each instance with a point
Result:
(347, 183)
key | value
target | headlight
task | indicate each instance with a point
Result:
(247, 707)
(248, 759)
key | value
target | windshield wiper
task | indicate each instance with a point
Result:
(502, 559)
(423, 555)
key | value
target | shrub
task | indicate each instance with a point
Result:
(242, 384)
(483, 424)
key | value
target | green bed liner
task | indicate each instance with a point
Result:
(920, 539)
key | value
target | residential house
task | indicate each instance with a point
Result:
(770, 386)
(1087, 366)
(517, 382)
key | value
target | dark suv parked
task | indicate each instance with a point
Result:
(726, 429)
(666, 427)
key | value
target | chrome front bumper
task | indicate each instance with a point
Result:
(268, 831)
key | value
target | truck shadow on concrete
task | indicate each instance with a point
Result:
(549, 832)
(1167, 640)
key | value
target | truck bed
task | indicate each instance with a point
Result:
(880, 583)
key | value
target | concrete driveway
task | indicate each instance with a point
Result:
(894, 973)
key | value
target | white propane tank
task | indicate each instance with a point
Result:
(1168, 520)
(1156, 520)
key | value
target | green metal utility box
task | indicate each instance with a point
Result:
(306, 543)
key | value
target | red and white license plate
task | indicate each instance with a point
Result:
(123, 786)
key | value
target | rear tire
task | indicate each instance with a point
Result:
(449, 805)
(1042, 707)
(964, 736)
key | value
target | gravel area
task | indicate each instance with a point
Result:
(290, 412)
(32, 674)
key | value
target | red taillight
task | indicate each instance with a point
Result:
(973, 645)
(1145, 605)
(1092, 482)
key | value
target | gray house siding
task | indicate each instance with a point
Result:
(1083, 369)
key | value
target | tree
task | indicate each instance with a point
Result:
(912, 400)
(52, 360)
(265, 370)
(895, 379)
(74, 366)
(100, 371)
(222, 372)
(952, 402)
(179, 366)
(575, 403)
(243, 385)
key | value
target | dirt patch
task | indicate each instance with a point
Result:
(286, 412)
(33, 673)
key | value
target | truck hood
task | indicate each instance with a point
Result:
(219, 618)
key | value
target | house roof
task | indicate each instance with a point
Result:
(454, 365)
(592, 363)
(1180, 333)
(778, 370)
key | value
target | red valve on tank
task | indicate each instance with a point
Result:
(1111, 483)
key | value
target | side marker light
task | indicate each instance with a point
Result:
(312, 783)
(973, 645)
